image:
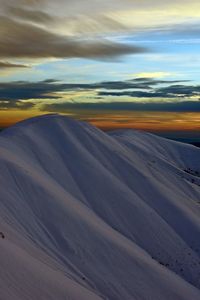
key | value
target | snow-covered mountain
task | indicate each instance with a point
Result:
(93, 215)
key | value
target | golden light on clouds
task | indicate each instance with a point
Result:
(150, 121)
(54, 58)
(171, 13)
(158, 74)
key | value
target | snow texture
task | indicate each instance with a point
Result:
(86, 214)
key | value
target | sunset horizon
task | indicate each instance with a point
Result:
(116, 65)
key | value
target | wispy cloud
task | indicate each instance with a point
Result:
(46, 29)
(183, 106)
(152, 74)
(156, 95)
(30, 15)
(50, 88)
(8, 65)
(19, 40)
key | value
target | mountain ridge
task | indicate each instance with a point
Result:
(116, 216)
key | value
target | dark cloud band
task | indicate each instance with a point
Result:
(48, 89)
(183, 106)
(16, 94)
(7, 65)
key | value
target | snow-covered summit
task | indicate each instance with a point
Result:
(94, 215)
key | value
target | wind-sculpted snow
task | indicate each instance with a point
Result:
(93, 215)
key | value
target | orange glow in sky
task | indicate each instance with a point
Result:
(149, 121)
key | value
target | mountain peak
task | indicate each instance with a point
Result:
(46, 121)
(89, 215)
(42, 118)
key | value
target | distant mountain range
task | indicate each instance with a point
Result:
(86, 214)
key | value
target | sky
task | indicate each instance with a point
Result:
(116, 64)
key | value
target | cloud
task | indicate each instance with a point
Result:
(181, 90)
(49, 89)
(30, 15)
(7, 65)
(171, 91)
(154, 81)
(24, 90)
(23, 40)
(153, 75)
(6, 3)
(137, 94)
(61, 29)
(184, 106)
(16, 104)
(24, 95)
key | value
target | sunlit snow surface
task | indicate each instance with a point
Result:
(94, 215)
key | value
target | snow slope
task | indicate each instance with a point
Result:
(94, 215)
